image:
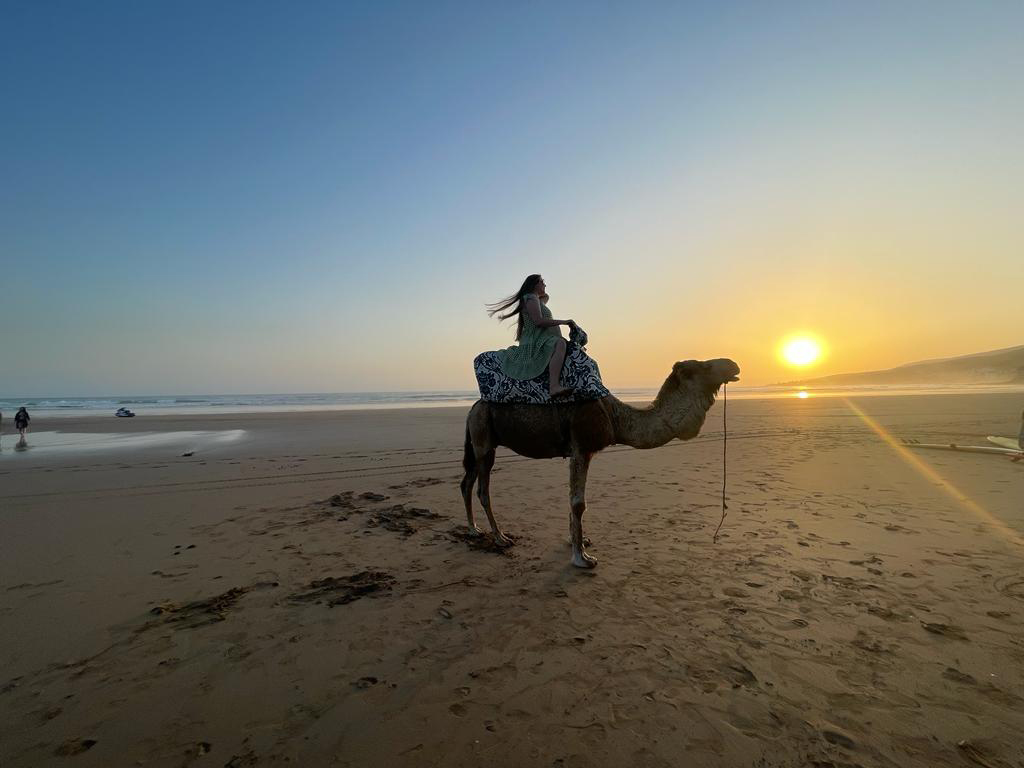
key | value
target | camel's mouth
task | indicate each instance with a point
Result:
(723, 370)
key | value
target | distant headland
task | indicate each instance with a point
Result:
(1001, 366)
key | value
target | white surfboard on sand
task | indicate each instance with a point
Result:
(1000, 451)
(1005, 442)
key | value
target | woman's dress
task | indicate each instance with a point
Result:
(530, 357)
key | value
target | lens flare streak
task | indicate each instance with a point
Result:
(931, 475)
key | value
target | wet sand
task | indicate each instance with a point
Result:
(305, 594)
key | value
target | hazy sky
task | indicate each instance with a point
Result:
(204, 197)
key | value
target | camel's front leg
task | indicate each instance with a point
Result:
(486, 462)
(578, 503)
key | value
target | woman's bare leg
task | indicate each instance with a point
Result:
(555, 370)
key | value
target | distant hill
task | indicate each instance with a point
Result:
(1002, 366)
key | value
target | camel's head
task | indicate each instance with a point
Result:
(709, 375)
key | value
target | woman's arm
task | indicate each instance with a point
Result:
(533, 310)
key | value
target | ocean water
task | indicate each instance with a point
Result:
(189, 404)
(197, 404)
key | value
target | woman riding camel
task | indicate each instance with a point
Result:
(540, 341)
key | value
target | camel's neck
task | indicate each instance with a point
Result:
(678, 414)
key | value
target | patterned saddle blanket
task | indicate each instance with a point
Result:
(580, 371)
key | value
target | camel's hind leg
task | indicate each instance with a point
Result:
(578, 504)
(485, 462)
(470, 464)
(467, 496)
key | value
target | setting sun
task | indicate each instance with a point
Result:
(800, 351)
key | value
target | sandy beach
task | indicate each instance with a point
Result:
(305, 594)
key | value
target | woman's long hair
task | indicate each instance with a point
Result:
(515, 300)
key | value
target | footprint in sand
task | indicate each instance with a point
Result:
(242, 761)
(957, 676)
(46, 715)
(197, 750)
(74, 747)
(848, 582)
(978, 754)
(499, 674)
(884, 613)
(163, 575)
(866, 642)
(945, 630)
(835, 736)
(1001, 697)
(893, 528)
(1012, 586)
(739, 675)
(30, 585)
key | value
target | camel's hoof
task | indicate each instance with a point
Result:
(503, 541)
(474, 531)
(583, 560)
(586, 541)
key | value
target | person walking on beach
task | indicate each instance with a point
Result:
(541, 344)
(21, 420)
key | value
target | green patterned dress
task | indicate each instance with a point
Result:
(530, 357)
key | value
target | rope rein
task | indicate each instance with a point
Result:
(725, 442)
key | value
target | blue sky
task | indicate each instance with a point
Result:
(259, 197)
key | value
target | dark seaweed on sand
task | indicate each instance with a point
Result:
(336, 590)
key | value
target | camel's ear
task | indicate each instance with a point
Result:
(686, 369)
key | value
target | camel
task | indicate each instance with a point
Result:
(580, 430)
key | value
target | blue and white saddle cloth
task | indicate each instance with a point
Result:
(580, 372)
